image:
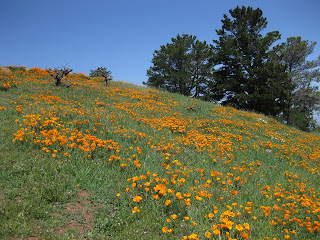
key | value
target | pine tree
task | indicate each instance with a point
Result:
(102, 72)
(304, 94)
(183, 66)
(246, 78)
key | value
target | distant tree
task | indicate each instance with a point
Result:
(246, 78)
(183, 66)
(304, 94)
(102, 72)
(58, 74)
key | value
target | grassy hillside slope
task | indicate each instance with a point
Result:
(91, 161)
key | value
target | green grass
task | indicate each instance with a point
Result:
(59, 180)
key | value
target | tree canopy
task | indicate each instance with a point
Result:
(102, 72)
(183, 66)
(246, 78)
(304, 94)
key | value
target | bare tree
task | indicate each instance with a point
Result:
(58, 74)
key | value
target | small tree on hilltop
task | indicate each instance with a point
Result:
(102, 72)
(58, 74)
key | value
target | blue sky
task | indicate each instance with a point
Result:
(122, 35)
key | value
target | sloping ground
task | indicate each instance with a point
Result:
(155, 165)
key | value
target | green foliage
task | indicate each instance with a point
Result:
(101, 72)
(304, 95)
(247, 79)
(293, 53)
(302, 118)
(183, 66)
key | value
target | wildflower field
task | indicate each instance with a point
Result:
(91, 161)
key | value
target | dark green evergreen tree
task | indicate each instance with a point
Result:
(183, 66)
(304, 94)
(102, 72)
(246, 78)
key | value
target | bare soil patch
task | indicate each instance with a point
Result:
(83, 211)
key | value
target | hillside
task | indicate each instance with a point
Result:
(91, 161)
